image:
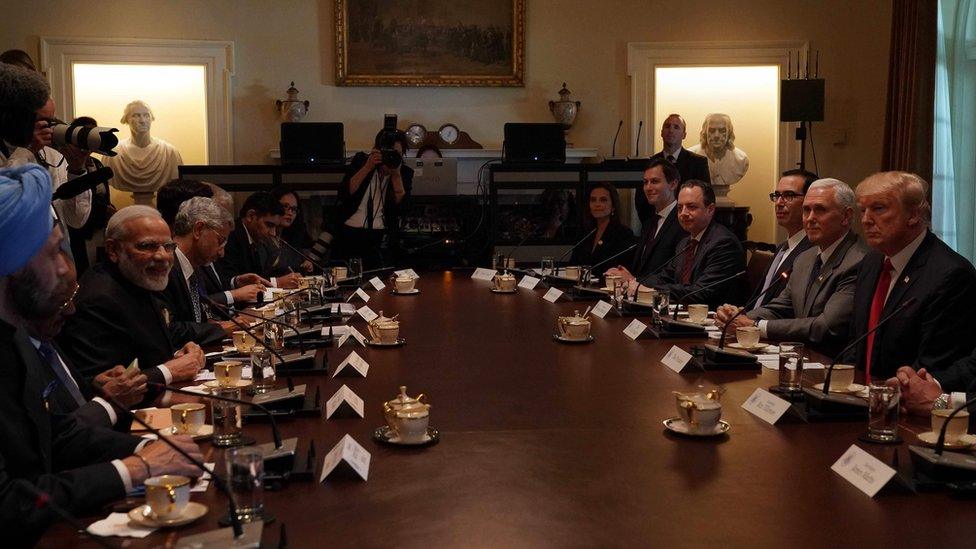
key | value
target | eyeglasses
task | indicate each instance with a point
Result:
(221, 239)
(788, 196)
(287, 208)
(150, 246)
(67, 302)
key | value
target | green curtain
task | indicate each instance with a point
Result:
(954, 166)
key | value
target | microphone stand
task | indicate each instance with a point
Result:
(702, 289)
(316, 264)
(642, 280)
(952, 467)
(785, 275)
(43, 499)
(585, 273)
(567, 252)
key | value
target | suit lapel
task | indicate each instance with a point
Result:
(907, 277)
(826, 271)
(651, 241)
(33, 397)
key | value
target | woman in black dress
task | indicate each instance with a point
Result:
(611, 236)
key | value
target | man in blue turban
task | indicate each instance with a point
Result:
(25, 215)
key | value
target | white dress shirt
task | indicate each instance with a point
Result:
(663, 214)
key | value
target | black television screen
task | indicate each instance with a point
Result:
(530, 143)
(312, 143)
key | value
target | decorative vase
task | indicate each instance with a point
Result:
(565, 110)
(292, 109)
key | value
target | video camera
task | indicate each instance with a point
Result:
(94, 139)
(387, 138)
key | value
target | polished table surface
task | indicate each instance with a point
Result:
(551, 444)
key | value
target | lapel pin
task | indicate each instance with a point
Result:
(905, 280)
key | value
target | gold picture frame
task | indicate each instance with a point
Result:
(452, 43)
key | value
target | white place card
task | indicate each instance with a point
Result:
(483, 274)
(336, 330)
(367, 313)
(766, 406)
(676, 358)
(528, 282)
(377, 283)
(344, 401)
(350, 332)
(552, 295)
(635, 329)
(866, 472)
(346, 454)
(407, 272)
(354, 361)
(601, 309)
(362, 295)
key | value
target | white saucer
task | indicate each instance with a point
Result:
(965, 442)
(214, 384)
(400, 341)
(385, 435)
(564, 339)
(754, 348)
(851, 389)
(414, 291)
(497, 291)
(206, 431)
(677, 425)
(191, 512)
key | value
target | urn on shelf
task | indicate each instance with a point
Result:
(292, 109)
(565, 110)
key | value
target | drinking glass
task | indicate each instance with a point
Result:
(619, 292)
(263, 375)
(226, 417)
(356, 269)
(498, 261)
(245, 474)
(274, 335)
(293, 314)
(883, 402)
(659, 304)
(790, 366)
(548, 266)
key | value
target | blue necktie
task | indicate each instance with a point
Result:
(195, 297)
(47, 352)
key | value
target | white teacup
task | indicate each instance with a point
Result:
(412, 426)
(958, 425)
(504, 282)
(404, 284)
(573, 327)
(610, 279)
(697, 312)
(188, 417)
(571, 272)
(747, 336)
(645, 295)
(700, 413)
(842, 376)
(167, 496)
(388, 332)
(339, 273)
(243, 341)
(228, 372)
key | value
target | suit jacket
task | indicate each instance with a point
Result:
(615, 239)
(49, 452)
(183, 326)
(719, 255)
(822, 318)
(690, 166)
(91, 413)
(654, 251)
(784, 267)
(240, 257)
(116, 321)
(931, 333)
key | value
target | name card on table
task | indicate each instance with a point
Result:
(354, 362)
(344, 403)
(601, 309)
(676, 358)
(552, 295)
(362, 295)
(347, 456)
(367, 313)
(377, 283)
(635, 329)
(483, 274)
(528, 282)
(866, 472)
(347, 333)
(766, 406)
(407, 272)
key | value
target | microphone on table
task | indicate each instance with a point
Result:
(940, 444)
(613, 150)
(582, 240)
(511, 254)
(303, 255)
(955, 468)
(785, 275)
(43, 499)
(642, 280)
(702, 289)
(82, 183)
(640, 126)
(585, 275)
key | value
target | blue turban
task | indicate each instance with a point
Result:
(25, 215)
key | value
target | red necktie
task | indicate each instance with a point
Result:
(877, 305)
(689, 262)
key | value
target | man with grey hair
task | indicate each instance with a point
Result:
(120, 316)
(815, 305)
(200, 231)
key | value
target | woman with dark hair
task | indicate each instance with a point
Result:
(293, 232)
(611, 236)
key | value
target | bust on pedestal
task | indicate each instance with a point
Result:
(727, 164)
(143, 163)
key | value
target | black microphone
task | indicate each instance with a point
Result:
(304, 256)
(43, 499)
(785, 275)
(640, 126)
(702, 289)
(582, 240)
(586, 275)
(882, 322)
(534, 232)
(221, 483)
(82, 183)
(613, 150)
(641, 281)
(940, 444)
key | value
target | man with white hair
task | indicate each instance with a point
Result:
(815, 305)
(144, 163)
(119, 316)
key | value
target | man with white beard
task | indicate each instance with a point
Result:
(118, 318)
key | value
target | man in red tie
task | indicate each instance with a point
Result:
(703, 273)
(909, 262)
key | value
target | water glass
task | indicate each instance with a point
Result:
(790, 366)
(263, 375)
(883, 403)
(660, 302)
(356, 269)
(274, 335)
(498, 261)
(226, 417)
(245, 474)
(548, 266)
(293, 314)
(619, 292)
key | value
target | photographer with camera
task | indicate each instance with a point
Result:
(370, 198)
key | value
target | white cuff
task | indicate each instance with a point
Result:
(230, 298)
(167, 375)
(957, 399)
(274, 282)
(112, 417)
(762, 328)
(123, 474)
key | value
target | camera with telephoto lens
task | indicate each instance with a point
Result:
(387, 138)
(94, 139)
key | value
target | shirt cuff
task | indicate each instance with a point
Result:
(167, 375)
(230, 298)
(762, 328)
(274, 282)
(112, 417)
(123, 474)
(957, 399)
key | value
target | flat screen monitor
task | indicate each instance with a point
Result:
(312, 143)
(531, 143)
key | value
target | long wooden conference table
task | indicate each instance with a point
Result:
(551, 444)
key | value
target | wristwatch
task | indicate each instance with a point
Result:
(941, 403)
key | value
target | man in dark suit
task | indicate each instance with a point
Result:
(908, 262)
(200, 230)
(119, 318)
(47, 456)
(788, 202)
(243, 254)
(659, 240)
(690, 165)
(815, 304)
(713, 254)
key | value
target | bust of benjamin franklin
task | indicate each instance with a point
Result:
(727, 164)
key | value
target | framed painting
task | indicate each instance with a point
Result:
(430, 43)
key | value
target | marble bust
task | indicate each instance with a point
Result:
(727, 164)
(143, 163)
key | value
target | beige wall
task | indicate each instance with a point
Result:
(582, 42)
